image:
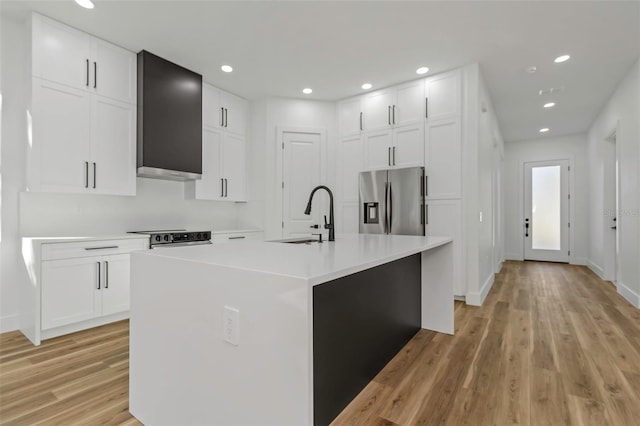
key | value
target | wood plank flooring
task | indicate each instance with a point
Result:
(552, 345)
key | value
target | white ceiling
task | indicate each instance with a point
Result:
(277, 48)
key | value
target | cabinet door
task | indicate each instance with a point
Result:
(350, 116)
(444, 218)
(377, 147)
(61, 138)
(113, 71)
(234, 114)
(115, 284)
(443, 95)
(212, 114)
(70, 291)
(210, 186)
(60, 53)
(410, 103)
(113, 147)
(443, 159)
(408, 146)
(233, 167)
(350, 216)
(352, 156)
(376, 108)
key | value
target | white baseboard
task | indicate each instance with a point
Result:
(513, 256)
(9, 323)
(596, 269)
(578, 261)
(630, 295)
(477, 298)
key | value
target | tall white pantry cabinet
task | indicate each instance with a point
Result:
(83, 111)
(413, 124)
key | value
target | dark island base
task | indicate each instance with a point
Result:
(359, 323)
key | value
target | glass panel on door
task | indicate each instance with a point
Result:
(545, 208)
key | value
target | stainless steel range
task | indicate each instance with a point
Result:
(176, 238)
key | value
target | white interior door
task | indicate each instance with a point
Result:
(546, 219)
(300, 174)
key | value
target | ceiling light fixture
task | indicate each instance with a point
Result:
(422, 70)
(307, 91)
(226, 68)
(544, 130)
(87, 4)
(366, 86)
(561, 59)
(549, 104)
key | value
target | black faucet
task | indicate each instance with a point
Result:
(331, 225)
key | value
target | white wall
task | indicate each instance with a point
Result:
(482, 152)
(622, 112)
(574, 148)
(274, 113)
(158, 204)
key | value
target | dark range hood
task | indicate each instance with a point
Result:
(169, 120)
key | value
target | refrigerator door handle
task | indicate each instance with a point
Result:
(386, 207)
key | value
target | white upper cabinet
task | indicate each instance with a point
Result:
(67, 56)
(60, 53)
(350, 116)
(443, 93)
(114, 71)
(223, 168)
(397, 106)
(83, 113)
(234, 113)
(410, 104)
(222, 110)
(376, 108)
(443, 159)
(378, 147)
(408, 147)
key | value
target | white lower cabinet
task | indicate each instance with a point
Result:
(444, 217)
(77, 284)
(252, 235)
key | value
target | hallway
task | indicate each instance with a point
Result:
(552, 345)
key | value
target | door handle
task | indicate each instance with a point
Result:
(95, 75)
(94, 174)
(98, 263)
(386, 209)
(390, 208)
(393, 120)
(106, 274)
(526, 227)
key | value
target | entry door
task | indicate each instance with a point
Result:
(300, 174)
(546, 207)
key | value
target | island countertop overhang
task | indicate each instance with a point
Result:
(315, 263)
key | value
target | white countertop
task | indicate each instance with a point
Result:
(316, 263)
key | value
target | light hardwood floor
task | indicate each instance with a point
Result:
(552, 345)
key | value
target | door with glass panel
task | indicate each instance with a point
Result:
(546, 211)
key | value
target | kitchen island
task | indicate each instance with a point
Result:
(275, 333)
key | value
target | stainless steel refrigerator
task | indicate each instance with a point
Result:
(392, 202)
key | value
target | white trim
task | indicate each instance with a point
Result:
(599, 271)
(9, 323)
(578, 260)
(477, 298)
(83, 325)
(513, 256)
(631, 296)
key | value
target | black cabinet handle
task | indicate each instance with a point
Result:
(86, 174)
(389, 115)
(394, 115)
(426, 186)
(94, 174)
(426, 220)
(226, 187)
(222, 187)
(101, 248)
(226, 117)
(106, 274)
(87, 72)
(426, 107)
(95, 75)
(361, 121)
(238, 238)
(98, 263)
(389, 155)
(221, 116)
(394, 155)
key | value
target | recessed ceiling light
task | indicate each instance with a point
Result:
(549, 104)
(422, 70)
(307, 91)
(531, 69)
(544, 130)
(366, 86)
(561, 59)
(87, 4)
(226, 68)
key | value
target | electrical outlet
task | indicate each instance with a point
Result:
(230, 325)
